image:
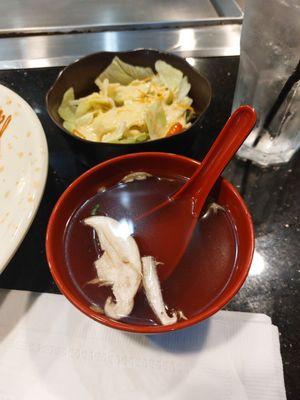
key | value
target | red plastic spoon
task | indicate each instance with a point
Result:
(165, 231)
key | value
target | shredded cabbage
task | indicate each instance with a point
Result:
(133, 104)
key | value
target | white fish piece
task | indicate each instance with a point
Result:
(153, 291)
(213, 208)
(119, 266)
(136, 176)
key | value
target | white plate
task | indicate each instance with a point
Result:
(23, 171)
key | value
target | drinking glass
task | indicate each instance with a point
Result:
(270, 51)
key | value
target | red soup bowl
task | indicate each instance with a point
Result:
(199, 288)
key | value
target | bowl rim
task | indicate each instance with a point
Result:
(78, 60)
(144, 329)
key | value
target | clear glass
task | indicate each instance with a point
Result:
(270, 50)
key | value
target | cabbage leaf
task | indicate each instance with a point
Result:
(156, 120)
(168, 75)
(120, 72)
(66, 110)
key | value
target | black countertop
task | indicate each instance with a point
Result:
(272, 195)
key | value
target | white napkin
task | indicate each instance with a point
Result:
(49, 350)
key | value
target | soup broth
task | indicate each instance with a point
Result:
(197, 281)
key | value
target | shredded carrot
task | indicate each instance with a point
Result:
(77, 133)
(176, 128)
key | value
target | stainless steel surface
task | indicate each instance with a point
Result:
(54, 50)
(226, 8)
(36, 16)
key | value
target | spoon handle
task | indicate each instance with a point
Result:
(231, 137)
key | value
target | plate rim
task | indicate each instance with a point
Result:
(9, 254)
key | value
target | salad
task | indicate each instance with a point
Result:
(133, 105)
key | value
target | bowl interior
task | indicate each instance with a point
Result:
(184, 289)
(82, 74)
